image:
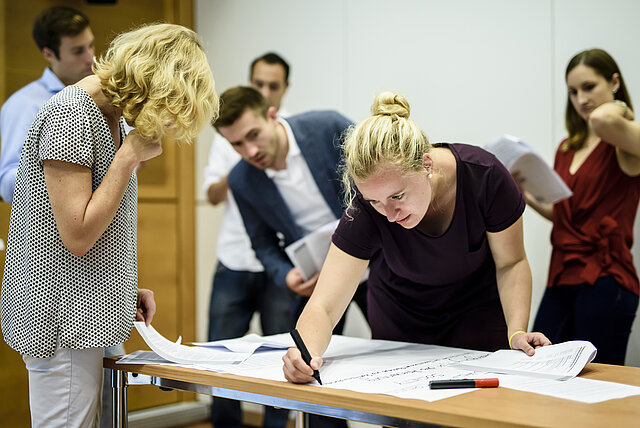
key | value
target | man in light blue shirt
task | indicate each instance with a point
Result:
(65, 39)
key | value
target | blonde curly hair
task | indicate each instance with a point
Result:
(159, 76)
(388, 136)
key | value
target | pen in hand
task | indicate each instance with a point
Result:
(306, 356)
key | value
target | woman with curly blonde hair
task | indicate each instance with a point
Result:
(440, 228)
(70, 281)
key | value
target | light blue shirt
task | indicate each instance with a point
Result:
(15, 120)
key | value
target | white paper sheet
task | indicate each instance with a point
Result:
(308, 254)
(375, 366)
(576, 389)
(540, 179)
(251, 342)
(144, 357)
(561, 361)
(187, 354)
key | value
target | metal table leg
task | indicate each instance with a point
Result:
(119, 385)
(302, 419)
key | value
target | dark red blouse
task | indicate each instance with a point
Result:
(593, 229)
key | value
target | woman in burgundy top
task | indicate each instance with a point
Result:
(593, 285)
(440, 228)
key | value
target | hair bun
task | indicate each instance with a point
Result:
(389, 104)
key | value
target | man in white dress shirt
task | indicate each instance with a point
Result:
(240, 284)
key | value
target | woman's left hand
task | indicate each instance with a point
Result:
(526, 342)
(146, 306)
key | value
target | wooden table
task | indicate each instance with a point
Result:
(492, 407)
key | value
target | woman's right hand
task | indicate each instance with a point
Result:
(142, 148)
(296, 370)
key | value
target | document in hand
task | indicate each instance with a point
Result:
(562, 361)
(539, 179)
(308, 254)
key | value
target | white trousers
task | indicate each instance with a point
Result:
(64, 390)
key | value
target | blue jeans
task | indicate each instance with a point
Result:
(601, 313)
(235, 296)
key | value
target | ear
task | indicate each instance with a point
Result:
(427, 162)
(272, 113)
(49, 55)
(615, 82)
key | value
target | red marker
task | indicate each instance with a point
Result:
(464, 383)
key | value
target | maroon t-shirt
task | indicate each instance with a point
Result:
(439, 289)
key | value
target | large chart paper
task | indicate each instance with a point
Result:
(404, 369)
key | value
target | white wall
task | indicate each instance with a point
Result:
(471, 71)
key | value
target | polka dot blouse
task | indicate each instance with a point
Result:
(50, 295)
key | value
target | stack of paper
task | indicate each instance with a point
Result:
(187, 354)
(562, 361)
(308, 254)
(539, 179)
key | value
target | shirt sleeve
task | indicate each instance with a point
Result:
(222, 158)
(66, 135)
(504, 203)
(15, 121)
(357, 234)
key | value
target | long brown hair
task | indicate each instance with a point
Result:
(604, 65)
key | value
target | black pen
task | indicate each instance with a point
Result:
(306, 356)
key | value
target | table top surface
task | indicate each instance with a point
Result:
(495, 407)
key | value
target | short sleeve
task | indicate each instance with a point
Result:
(357, 233)
(503, 201)
(67, 135)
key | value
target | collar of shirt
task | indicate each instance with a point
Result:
(51, 82)
(294, 149)
(283, 113)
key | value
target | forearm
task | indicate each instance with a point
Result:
(105, 201)
(338, 281)
(613, 123)
(82, 215)
(514, 288)
(217, 192)
(315, 326)
(271, 256)
(545, 210)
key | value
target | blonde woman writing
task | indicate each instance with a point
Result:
(441, 229)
